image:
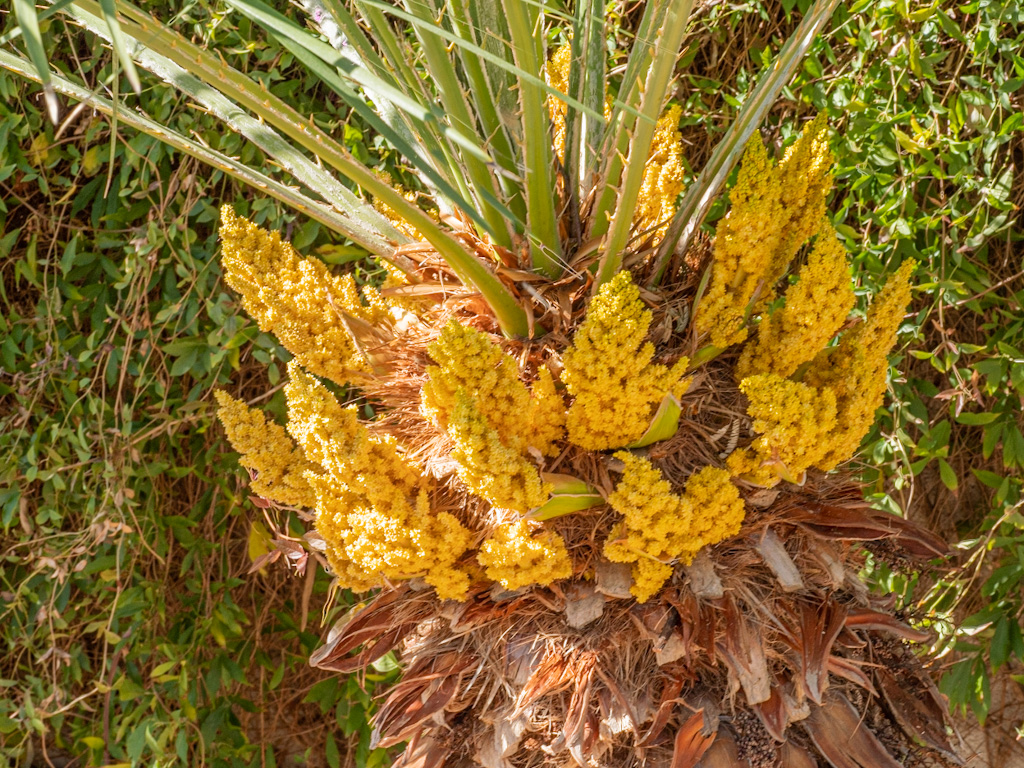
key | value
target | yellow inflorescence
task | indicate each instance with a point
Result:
(796, 424)
(609, 372)
(856, 370)
(773, 210)
(267, 449)
(468, 360)
(296, 299)
(333, 506)
(475, 394)
(718, 509)
(816, 308)
(663, 172)
(557, 75)
(388, 212)
(649, 576)
(547, 413)
(373, 505)
(663, 177)
(882, 324)
(492, 468)
(805, 179)
(745, 247)
(522, 553)
(659, 526)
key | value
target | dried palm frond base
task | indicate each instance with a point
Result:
(766, 651)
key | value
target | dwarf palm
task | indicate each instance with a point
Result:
(594, 505)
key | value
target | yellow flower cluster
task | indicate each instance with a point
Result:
(467, 359)
(773, 210)
(298, 300)
(522, 553)
(663, 177)
(805, 179)
(718, 509)
(267, 449)
(745, 246)
(557, 75)
(816, 308)
(373, 508)
(856, 370)
(547, 413)
(388, 212)
(796, 423)
(475, 394)
(490, 468)
(659, 526)
(608, 370)
(663, 174)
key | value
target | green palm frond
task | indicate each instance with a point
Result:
(459, 90)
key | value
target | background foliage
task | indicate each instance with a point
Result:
(133, 630)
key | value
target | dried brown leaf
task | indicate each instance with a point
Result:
(918, 714)
(843, 739)
(867, 619)
(691, 742)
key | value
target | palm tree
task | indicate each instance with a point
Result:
(599, 510)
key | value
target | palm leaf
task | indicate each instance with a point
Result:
(587, 85)
(659, 75)
(525, 22)
(25, 13)
(285, 28)
(450, 89)
(465, 16)
(511, 317)
(261, 134)
(348, 226)
(117, 41)
(624, 113)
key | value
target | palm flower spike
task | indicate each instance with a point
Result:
(600, 514)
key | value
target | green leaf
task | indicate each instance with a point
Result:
(993, 434)
(288, 195)
(25, 14)
(1013, 446)
(990, 479)
(442, 73)
(948, 476)
(623, 118)
(117, 41)
(417, 121)
(373, 225)
(664, 424)
(161, 669)
(331, 754)
(525, 22)
(510, 315)
(570, 495)
(281, 25)
(999, 647)
(477, 21)
(976, 419)
(666, 49)
(587, 82)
